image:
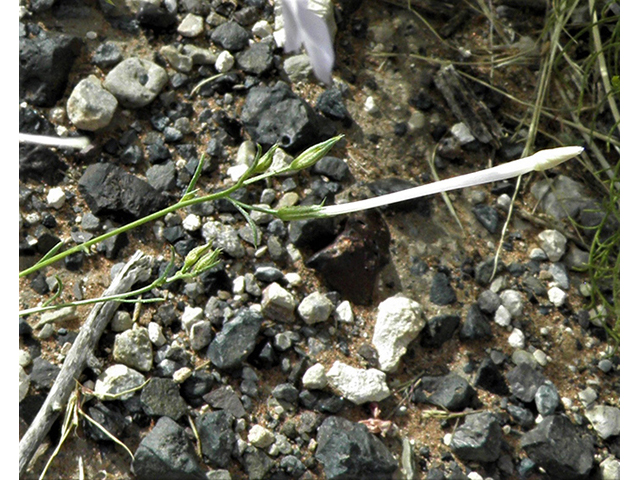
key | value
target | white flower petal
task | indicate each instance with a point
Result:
(304, 27)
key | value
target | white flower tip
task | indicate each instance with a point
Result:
(552, 157)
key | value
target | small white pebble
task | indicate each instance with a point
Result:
(370, 106)
(155, 334)
(191, 223)
(235, 172)
(260, 436)
(557, 296)
(315, 377)
(343, 312)
(224, 62)
(540, 357)
(56, 198)
(447, 439)
(516, 339)
(474, 476)
(502, 316)
(238, 285)
(293, 279)
(180, 375)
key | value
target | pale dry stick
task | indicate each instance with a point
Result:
(445, 197)
(137, 269)
(602, 64)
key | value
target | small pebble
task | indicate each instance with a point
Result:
(502, 316)
(540, 357)
(557, 296)
(180, 375)
(343, 312)
(155, 334)
(516, 339)
(224, 62)
(56, 198)
(605, 365)
(370, 106)
(192, 223)
(260, 436)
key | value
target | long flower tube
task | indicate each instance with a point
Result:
(539, 161)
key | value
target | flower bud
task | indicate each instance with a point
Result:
(313, 154)
(207, 261)
(299, 212)
(194, 255)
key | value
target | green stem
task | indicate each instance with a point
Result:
(134, 224)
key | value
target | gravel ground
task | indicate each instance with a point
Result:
(373, 346)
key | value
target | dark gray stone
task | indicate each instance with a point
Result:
(230, 36)
(161, 397)
(484, 270)
(524, 381)
(155, 17)
(217, 437)
(40, 164)
(441, 292)
(547, 399)
(560, 448)
(257, 59)
(490, 378)
(236, 341)
(45, 63)
(348, 451)
(197, 385)
(475, 326)
(478, 439)
(226, 399)
(109, 418)
(286, 392)
(256, 463)
(43, 374)
(522, 416)
(166, 453)
(451, 392)
(487, 216)
(277, 115)
(109, 190)
(293, 466)
(331, 104)
(333, 167)
(107, 55)
(323, 402)
(439, 330)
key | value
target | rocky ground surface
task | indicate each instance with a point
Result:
(373, 346)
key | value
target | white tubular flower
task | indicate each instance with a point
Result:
(539, 161)
(302, 26)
